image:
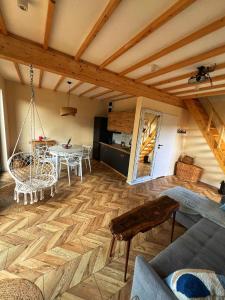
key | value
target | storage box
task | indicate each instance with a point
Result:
(188, 172)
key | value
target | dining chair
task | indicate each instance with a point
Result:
(86, 155)
(42, 152)
(72, 162)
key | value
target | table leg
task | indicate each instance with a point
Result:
(111, 246)
(173, 223)
(127, 258)
(57, 166)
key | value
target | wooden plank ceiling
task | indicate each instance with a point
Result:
(115, 49)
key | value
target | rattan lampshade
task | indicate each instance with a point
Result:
(68, 110)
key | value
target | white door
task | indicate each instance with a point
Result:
(165, 149)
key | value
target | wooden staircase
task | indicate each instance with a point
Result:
(212, 128)
(148, 138)
(148, 145)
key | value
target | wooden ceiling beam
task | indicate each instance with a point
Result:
(25, 52)
(122, 98)
(61, 79)
(3, 28)
(175, 9)
(206, 88)
(173, 79)
(186, 85)
(184, 76)
(88, 90)
(111, 6)
(40, 78)
(181, 43)
(48, 25)
(76, 86)
(202, 95)
(101, 94)
(184, 63)
(115, 96)
(19, 72)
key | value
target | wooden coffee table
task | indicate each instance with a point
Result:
(142, 219)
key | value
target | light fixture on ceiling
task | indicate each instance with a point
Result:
(153, 68)
(23, 4)
(202, 75)
(68, 110)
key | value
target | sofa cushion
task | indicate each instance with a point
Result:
(187, 220)
(201, 247)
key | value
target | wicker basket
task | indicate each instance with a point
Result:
(188, 172)
(188, 160)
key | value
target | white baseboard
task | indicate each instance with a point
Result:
(140, 180)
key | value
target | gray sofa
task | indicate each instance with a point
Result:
(201, 246)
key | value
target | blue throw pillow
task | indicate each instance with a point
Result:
(222, 202)
(197, 283)
(222, 207)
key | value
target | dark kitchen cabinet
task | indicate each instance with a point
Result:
(101, 134)
(116, 159)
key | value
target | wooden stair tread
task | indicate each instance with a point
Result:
(212, 136)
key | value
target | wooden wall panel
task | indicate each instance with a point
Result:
(121, 121)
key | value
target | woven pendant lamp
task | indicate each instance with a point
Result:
(68, 110)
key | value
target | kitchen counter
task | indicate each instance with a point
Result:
(117, 147)
(115, 156)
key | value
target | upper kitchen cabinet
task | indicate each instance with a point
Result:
(121, 121)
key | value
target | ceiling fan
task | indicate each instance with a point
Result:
(202, 75)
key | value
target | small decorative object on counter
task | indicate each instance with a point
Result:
(67, 145)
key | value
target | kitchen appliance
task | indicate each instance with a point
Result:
(101, 134)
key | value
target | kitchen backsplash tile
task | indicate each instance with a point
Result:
(122, 137)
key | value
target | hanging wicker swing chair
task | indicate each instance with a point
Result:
(32, 171)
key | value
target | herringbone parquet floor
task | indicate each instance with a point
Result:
(62, 243)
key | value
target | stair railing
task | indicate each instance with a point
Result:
(215, 121)
(148, 130)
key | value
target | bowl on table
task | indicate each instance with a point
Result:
(66, 146)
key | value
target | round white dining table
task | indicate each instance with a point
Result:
(59, 151)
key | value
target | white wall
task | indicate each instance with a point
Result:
(79, 128)
(195, 145)
(3, 126)
(124, 105)
(157, 106)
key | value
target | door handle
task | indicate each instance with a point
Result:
(159, 146)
